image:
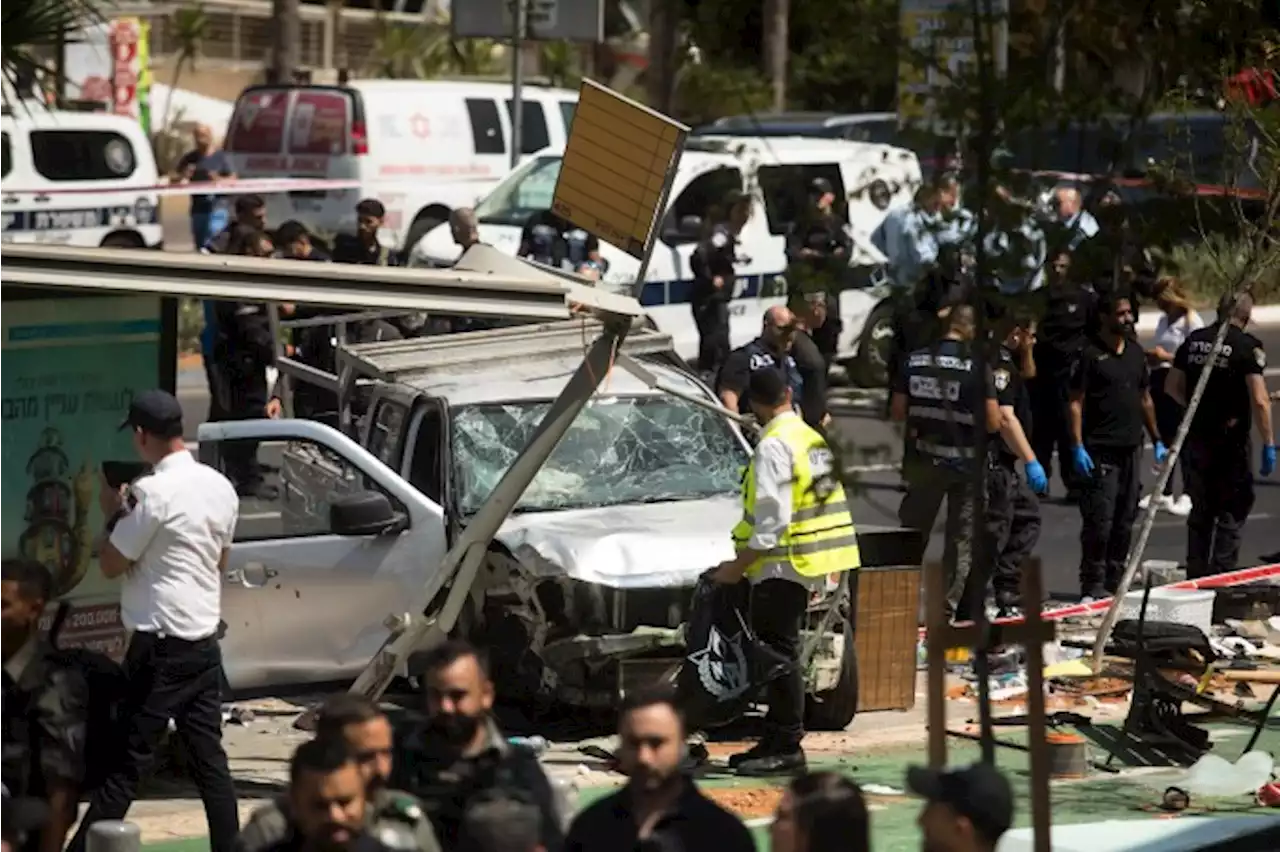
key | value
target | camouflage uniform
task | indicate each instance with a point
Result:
(396, 820)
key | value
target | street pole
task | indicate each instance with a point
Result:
(519, 16)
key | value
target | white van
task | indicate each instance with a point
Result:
(78, 179)
(422, 148)
(777, 172)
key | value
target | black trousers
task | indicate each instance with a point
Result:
(1168, 419)
(1050, 412)
(1013, 527)
(1220, 482)
(926, 489)
(214, 378)
(777, 615)
(1108, 507)
(172, 678)
(246, 400)
(712, 320)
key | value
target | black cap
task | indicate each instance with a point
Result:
(21, 817)
(155, 412)
(767, 386)
(820, 186)
(979, 793)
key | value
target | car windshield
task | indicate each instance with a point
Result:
(522, 193)
(619, 450)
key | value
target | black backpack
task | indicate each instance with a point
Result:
(106, 727)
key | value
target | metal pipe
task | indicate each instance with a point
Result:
(519, 14)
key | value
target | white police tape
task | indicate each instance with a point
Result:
(237, 186)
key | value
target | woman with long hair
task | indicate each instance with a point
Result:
(1177, 320)
(821, 812)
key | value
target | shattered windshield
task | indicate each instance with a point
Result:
(619, 450)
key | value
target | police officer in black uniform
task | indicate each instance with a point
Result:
(1013, 512)
(1110, 406)
(772, 350)
(945, 402)
(712, 264)
(1218, 472)
(245, 349)
(1061, 336)
(818, 246)
(543, 239)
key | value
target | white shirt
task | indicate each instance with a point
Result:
(773, 472)
(1170, 335)
(184, 517)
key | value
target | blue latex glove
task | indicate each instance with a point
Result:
(1268, 460)
(1161, 452)
(1084, 462)
(1035, 476)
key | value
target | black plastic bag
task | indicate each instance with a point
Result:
(725, 665)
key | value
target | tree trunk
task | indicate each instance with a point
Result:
(774, 38)
(664, 30)
(286, 40)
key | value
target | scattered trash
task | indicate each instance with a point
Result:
(1069, 668)
(1269, 796)
(881, 790)
(1212, 775)
(240, 715)
(536, 744)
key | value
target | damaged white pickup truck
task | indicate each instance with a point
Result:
(587, 583)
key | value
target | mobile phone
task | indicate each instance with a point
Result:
(119, 473)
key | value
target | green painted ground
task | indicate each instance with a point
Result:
(1101, 797)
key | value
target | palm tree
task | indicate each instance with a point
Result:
(30, 30)
(190, 27)
(560, 61)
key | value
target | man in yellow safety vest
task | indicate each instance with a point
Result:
(795, 531)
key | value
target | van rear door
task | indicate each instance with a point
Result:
(300, 132)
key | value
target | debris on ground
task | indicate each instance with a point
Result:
(746, 802)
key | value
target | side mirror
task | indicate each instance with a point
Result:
(365, 513)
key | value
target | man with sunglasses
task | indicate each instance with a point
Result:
(770, 351)
(364, 730)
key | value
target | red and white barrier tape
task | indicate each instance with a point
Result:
(239, 186)
(1240, 577)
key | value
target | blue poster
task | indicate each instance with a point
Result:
(70, 367)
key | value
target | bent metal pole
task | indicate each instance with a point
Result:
(1149, 514)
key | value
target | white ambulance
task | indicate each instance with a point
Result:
(77, 178)
(777, 172)
(420, 147)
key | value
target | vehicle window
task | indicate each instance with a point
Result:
(567, 111)
(701, 198)
(319, 123)
(387, 432)
(311, 477)
(876, 132)
(7, 154)
(258, 125)
(63, 155)
(619, 450)
(426, 470)
(486, 127)
(533, 130)
(527, 190)
(786, 191)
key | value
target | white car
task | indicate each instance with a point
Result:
(420, 147)
(77, 179)
(777, 172)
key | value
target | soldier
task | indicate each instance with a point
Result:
(712, 264)
(46, 708)
(458, 756)
(944, 402)
(1218, 472)
(365, 732)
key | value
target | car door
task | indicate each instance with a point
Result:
(303, 604)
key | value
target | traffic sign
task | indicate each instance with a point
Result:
(614, 176)
(939, 46)
(545, 20)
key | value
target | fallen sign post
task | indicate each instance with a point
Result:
(614, 181)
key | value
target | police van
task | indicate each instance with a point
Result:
(77, 178)
(776, 172)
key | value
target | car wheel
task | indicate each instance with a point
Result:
(122, 239)
(870, 367)
(425, 223)
(834, 709)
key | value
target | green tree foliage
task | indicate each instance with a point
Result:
(31, 32)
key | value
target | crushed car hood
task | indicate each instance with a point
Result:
(626, 547)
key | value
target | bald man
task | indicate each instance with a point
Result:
(770, 351)
(464, 228)
(1079, 222)
(204, 163)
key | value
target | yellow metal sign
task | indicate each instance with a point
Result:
(615, 168)
(939, 47)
